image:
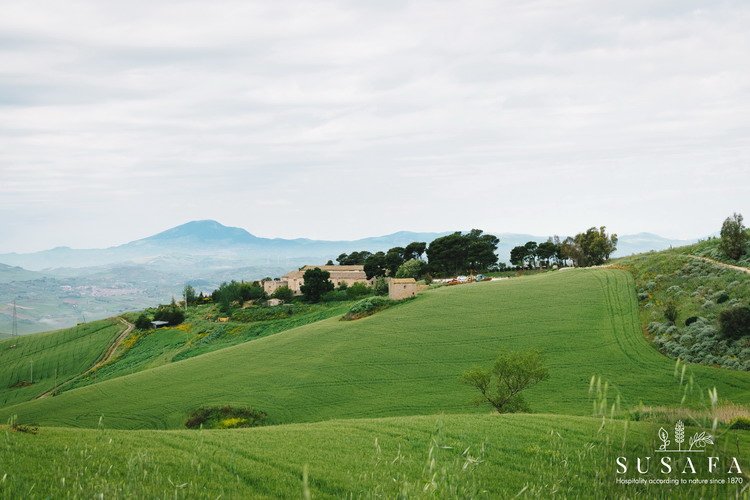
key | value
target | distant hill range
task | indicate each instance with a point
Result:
(193, 243)
(59, 287)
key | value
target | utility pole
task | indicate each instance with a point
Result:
(15, 320)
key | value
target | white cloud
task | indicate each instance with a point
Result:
(327, 119)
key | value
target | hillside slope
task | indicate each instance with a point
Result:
(697, 290)
(709, 248)
(407, 360)
(33, 364)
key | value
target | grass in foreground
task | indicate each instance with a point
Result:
(407, 360)
(458, 456)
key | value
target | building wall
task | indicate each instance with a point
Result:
(401, 289)
(271, 286)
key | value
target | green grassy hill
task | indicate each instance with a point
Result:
(51, 358)
(699, 291)
(199, 334)
(710, 248)
(407, 360)
(451, 456)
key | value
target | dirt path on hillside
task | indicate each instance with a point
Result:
(722, 264)
(106, 357)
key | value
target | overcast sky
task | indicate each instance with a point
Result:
(340, 120)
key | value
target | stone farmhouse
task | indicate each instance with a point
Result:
(339, 275)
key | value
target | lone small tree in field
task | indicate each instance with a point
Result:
(733, 237)
(502, 384)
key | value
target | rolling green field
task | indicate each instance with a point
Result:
(200, 334)
(450, 456)
(407, 361)
(51, 358)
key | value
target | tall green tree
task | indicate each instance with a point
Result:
(458, 253)
(189, 294)
(481, 250)
(590, 248)
(733, 237)
(518, 255)
(546, 251)
(376, 265)
(353, 259)
(412, 268)
(530, 257)
(393, 259)
(317, 282)
(414, 250)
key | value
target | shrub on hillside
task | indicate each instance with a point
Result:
(225, 417)
(335, 296)
(367, 307)
(143, 322)
(735, 322)
(170, 313)
(720, 297)
(670, 312)
(380, 287)
(358, 290)
(264, 313)
(691, 320)
(740, 423)
(283, 293)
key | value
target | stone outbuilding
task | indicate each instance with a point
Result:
(401, 288)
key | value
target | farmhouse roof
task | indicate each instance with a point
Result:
(335, 268)
(357, 272)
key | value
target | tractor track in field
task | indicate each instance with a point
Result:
(106, 357)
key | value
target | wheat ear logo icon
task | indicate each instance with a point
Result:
(697, 443)
(679, 434)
